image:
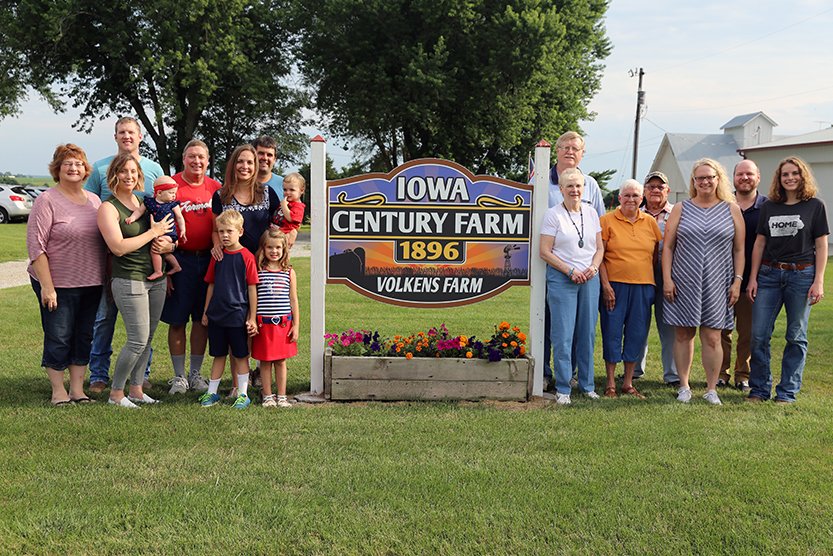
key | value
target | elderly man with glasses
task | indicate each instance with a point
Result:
(657, 205)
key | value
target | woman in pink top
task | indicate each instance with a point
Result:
(66, 255)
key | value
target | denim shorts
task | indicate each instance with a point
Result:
(68, 330)
(223, 338)
(187, 300)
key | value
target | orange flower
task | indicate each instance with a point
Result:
(503, 325)
(505, 334)
(418, 348)
(504, 344)
(409, 355)
(513, 343)
(398, 349)
(522, 336)
(523, 350)
(516, 329)
(469, 355)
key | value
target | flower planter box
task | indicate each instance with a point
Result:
(397, 378)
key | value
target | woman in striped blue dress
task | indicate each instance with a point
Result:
(702, 265)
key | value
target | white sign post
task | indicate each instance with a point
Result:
(537, 266)
(318, 262)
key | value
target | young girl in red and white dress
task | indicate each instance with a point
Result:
(277, 315)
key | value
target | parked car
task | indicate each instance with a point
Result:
(35, 190)
(15, 203)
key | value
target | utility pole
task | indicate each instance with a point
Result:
(640, 102)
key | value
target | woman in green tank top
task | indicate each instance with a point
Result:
(140, 301)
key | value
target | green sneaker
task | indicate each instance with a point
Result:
(242, 402)
(207, 400)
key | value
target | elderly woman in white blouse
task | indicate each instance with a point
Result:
(571, 245)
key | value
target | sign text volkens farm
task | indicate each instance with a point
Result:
(429, 234)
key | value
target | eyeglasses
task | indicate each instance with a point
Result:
(701, 179)
(570, 149)
(656, 186)
(72, 164)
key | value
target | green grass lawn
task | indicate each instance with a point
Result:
(13, 242)
(608, 477)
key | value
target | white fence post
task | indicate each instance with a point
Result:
(318, 261)
(538, 268)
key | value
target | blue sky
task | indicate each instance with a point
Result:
(705, 62)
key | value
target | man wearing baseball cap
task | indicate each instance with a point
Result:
(657, 205)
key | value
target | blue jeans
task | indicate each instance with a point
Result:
(666, 340)
(574, 309)
(629, 320)
(102, 350)
(68, 330)
(548, 346)
(777, 288)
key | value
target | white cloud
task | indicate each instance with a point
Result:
(705, 63)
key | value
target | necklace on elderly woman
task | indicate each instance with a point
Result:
(580, 233)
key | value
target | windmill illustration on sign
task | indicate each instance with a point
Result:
(507, 257)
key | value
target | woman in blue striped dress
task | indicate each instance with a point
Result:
(702, 265)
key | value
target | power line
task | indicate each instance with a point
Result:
(739, 45)
(748, 102)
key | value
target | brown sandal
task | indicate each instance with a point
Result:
(610, 392)
(633, 392)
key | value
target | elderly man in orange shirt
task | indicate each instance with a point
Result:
(630, 238)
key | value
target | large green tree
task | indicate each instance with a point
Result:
(214, 69)
(476, 81)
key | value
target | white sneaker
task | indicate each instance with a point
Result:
(711, 397)
(178, 385)
(684, 395)
(592, 395)
(562, 399)
(124, 402)
(197, 383)
(145, 399)
(283, 402)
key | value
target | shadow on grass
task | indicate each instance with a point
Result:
(33, 391)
